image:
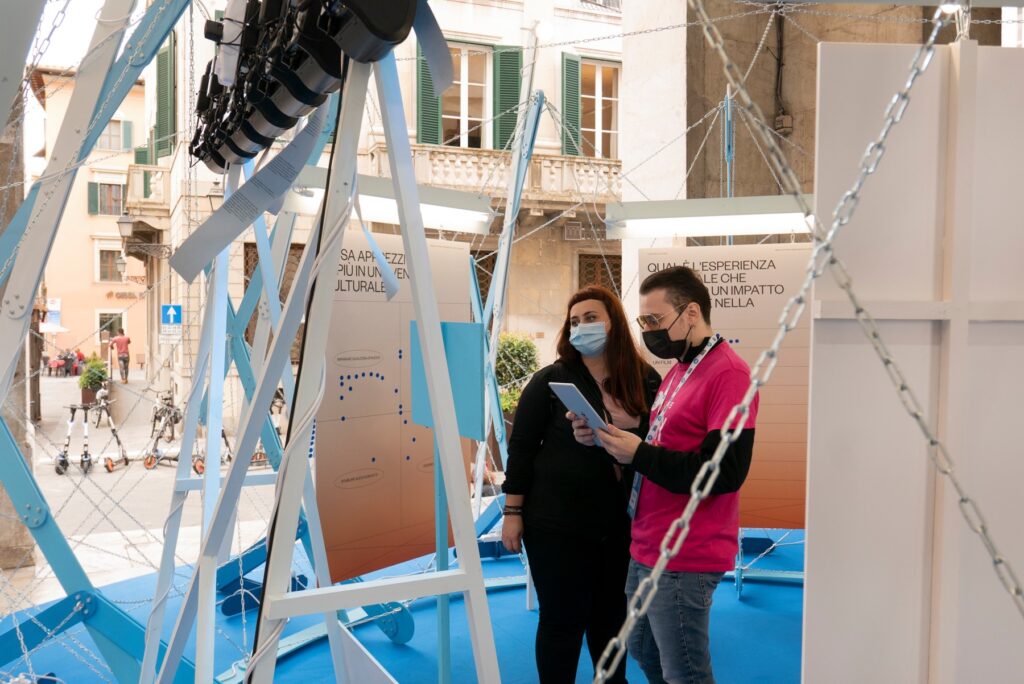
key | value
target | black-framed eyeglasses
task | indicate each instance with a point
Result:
(653, 321)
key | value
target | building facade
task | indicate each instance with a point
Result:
(459, 140)
(90, 288)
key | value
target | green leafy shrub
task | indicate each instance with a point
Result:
(517, 360)
(94, 374)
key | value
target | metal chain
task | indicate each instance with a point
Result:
(800, 27)
(47, 196)
(77, 484)
(822, 258)
(41, 46)
(13, 595)
(63, 79)
(879, 18)
(775, 543)
(613, 36)
(21, 100)
(760, 46)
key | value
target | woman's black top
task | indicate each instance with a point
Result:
(568, 487)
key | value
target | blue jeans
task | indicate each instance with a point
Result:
(671, 641)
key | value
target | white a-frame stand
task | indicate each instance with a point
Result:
(313, 284)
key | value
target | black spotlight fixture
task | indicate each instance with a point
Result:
(279, 61)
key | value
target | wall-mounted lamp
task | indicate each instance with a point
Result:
(125, 224)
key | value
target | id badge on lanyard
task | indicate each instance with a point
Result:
(662, 405)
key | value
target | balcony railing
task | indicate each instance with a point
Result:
(149, 190)
(550, 178)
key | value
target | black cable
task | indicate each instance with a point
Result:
(780, 107)
(302, 354)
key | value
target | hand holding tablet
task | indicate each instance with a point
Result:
(574, 400)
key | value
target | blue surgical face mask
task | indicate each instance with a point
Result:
(589, 338)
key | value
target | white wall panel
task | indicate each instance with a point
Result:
(898, 588)
(891, 244)
(869, 485)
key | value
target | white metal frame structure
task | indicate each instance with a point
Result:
(100, 85)
(294, 477)
(24, 247)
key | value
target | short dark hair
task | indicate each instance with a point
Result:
(120, 331)
(682, 285)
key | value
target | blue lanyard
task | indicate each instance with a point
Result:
(662, 407)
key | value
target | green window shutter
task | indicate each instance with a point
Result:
(94, 198)
(126, 135)
(165, 114)
(570, 104)
(508, 64)
(428, 104)
(142, 157)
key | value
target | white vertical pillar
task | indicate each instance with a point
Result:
(206, 619)
(294, 474)
(442, 401)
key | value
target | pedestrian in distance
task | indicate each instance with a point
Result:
(120, 345)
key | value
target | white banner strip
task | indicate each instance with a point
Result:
(252, 199)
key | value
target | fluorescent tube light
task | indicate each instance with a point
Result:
(443, 209)
(706, 217)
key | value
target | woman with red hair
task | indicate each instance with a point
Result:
(567, 502)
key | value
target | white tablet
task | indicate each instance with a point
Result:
(574, 400)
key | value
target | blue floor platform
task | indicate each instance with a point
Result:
(755, 639)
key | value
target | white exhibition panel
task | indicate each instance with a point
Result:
(898, 589)
(996, 273)
(990, 632)
(891, 245)
(749, 285)
(376, 496)
(868, 556)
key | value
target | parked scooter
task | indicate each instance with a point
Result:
(102, 406)
(85, 461)
(165, 416)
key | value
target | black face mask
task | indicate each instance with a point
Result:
(659, 344)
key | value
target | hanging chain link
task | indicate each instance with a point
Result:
(21, 100)
(72, 166)
(822, 258)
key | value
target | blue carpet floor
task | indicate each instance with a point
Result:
(755, 639)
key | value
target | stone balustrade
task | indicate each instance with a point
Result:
(149, 190)
(550, 178)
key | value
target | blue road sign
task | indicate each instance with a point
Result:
(170, 314)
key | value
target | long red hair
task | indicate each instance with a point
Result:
(625, 380)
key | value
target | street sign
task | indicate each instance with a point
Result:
(170, 314)
(170, 323)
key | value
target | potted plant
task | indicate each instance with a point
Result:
(93, 376)
(516, 362)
